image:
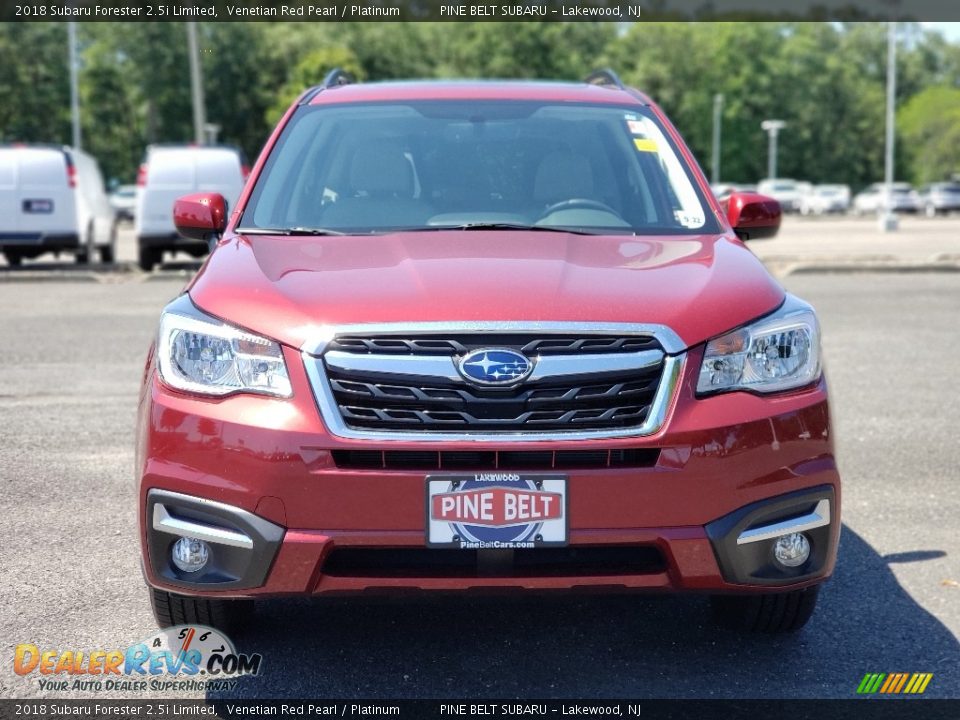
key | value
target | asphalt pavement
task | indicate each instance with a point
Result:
(70, 364)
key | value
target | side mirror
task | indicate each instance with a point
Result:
(752, 216)
(200, 215)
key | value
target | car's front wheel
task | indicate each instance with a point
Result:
(229, 616)
(768, 612)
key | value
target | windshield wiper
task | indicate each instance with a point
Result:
(512, 226)
(288, 231)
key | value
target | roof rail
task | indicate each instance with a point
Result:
(334, 78)
(337, 77)
(605, 78)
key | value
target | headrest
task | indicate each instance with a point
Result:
(381, 170)
(562, 176)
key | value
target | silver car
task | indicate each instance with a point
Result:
(903, 198)
(939, 198)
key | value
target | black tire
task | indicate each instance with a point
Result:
(108, 252)
(226, 615)
(149, 258)
(767, 613)
(84, 254)
(14, 258)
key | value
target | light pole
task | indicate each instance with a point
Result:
(888, 219)
(74, 90)
(715, 155)
(772, 128)
(196, 85)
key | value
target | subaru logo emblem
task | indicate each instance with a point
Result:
(492, 366)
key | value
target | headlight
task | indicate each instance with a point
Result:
(211, 358)
(779, 352)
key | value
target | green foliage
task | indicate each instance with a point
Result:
(34, 83)
(826, 80)
(807, 74)
(930, 129)
(309, 71)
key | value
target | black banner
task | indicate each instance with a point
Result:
(474, 10)
(858, 709)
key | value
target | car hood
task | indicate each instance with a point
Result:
(290, 288)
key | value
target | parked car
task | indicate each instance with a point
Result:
(52, 199)
(723, 190)
(480, 336)
(825, 199)
(903, 199)
(123, 200)
(169, 171)
(785, 191)
(939, 198)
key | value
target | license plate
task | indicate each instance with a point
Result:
(493, 511)
(42, 207)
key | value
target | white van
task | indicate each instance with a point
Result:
(168, 172)
(52, 199)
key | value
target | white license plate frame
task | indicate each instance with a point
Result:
(496, 511)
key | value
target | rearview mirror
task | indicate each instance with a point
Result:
(200, 215)
(752, 216)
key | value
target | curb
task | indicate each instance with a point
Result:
(871, 268)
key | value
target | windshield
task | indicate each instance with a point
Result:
(381, 167)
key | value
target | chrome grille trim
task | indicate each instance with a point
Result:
(444, 366)
(668, 339)
(673, 364)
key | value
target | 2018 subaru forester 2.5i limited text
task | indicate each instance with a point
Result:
(484, 335)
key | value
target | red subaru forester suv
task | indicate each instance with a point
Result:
(479, 335)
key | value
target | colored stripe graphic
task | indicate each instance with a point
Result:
(891, 679)
(903, 681)
(894, 683)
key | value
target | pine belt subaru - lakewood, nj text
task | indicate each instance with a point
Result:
(484, 335)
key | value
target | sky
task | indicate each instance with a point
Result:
(950, 30)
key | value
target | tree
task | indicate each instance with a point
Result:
(930, 128)
(34, 83)
(310, 71)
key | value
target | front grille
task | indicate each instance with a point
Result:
(393, 383)
(494, 459)
(570, 561)
(530, 344)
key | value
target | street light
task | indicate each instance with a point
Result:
(772, 128)
(74, 90)
(196, 85)
(888, 220)
(715, 155)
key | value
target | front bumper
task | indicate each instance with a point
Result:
(39, 241)
(719, 465)
(170, 241)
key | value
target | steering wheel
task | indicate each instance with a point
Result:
(578, 203)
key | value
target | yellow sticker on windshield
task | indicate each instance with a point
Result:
(645, 144)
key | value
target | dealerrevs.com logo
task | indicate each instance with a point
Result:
(185, 657)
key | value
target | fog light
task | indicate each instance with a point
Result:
(190, 554)
(791, 550)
